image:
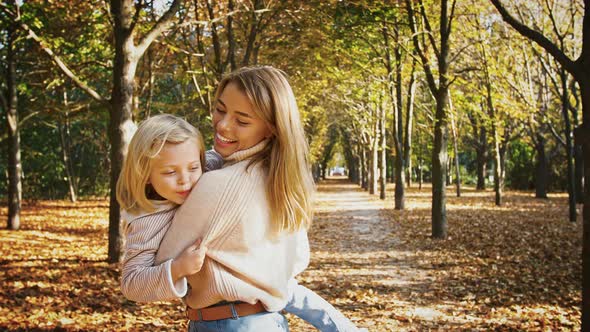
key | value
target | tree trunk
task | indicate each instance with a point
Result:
(420, 174)
(482, 158)
(498, 171)
(455, 150)
(568, 145)
(364, 172)
(151, 84)
(231, 41)
(439, 167)
(254, 22)
(121, 125)
(351, 159)
(391, 162)
(409, 122)
(64, 135)
(360, 166)
(216, 43)
(583, 138)
(503, 153)
(324, 168)
(14, 161)
(400, 166)
(419, 158)
(497, 165)
(579, 174)
(395, 96)
(457, 168)
(441, 92)
(541, 168)
(578, 154)
(353, 175)
(374, 165)
(383, 154)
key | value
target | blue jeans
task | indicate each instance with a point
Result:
(264, 321)
(312, 308)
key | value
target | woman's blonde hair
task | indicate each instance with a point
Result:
(290, 185)
(147, 142)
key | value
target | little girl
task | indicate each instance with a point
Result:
(164, 161)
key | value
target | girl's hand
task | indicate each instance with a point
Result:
(189, 261)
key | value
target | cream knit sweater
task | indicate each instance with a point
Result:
(229, 210)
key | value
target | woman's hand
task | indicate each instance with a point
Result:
(189, 261)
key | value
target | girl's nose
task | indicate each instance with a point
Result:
(183, 178)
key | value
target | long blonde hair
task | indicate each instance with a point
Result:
(147, 142)
(290, 186)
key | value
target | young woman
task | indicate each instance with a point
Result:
(252, 215)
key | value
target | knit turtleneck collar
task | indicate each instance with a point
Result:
(247, 153)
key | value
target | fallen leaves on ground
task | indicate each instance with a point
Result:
(511, 268)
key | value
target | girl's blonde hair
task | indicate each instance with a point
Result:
(146, 144)
(290, 185)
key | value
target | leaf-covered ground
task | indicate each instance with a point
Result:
(510, 268)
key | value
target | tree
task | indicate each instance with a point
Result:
(440, 89)
(394, 75)
(580, 70)
(126, 17)
(9, 98)
(121, 126)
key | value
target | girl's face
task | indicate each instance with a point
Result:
(176, 169)
(236, 125)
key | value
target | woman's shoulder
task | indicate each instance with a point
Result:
(243, 169)
(233, 180)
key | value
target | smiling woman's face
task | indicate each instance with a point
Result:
(236, 125)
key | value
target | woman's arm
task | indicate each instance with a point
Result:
(210, 212)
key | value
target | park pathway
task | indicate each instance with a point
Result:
(354, 261)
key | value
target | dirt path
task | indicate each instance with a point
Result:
(354, 261)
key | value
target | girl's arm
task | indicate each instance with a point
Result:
(140, 280)
(312, 308)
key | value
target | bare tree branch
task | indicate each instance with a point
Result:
(429, 29)
(425, 63)
(163, 24)
(538, 38)
(555, 134)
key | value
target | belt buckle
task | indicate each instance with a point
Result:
(199, 314)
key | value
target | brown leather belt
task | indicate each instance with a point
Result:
(224, 311)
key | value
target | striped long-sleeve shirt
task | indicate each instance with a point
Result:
(143, 234)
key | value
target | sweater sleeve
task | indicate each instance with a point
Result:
(141, 281)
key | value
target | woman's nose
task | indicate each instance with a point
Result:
(223, 124)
